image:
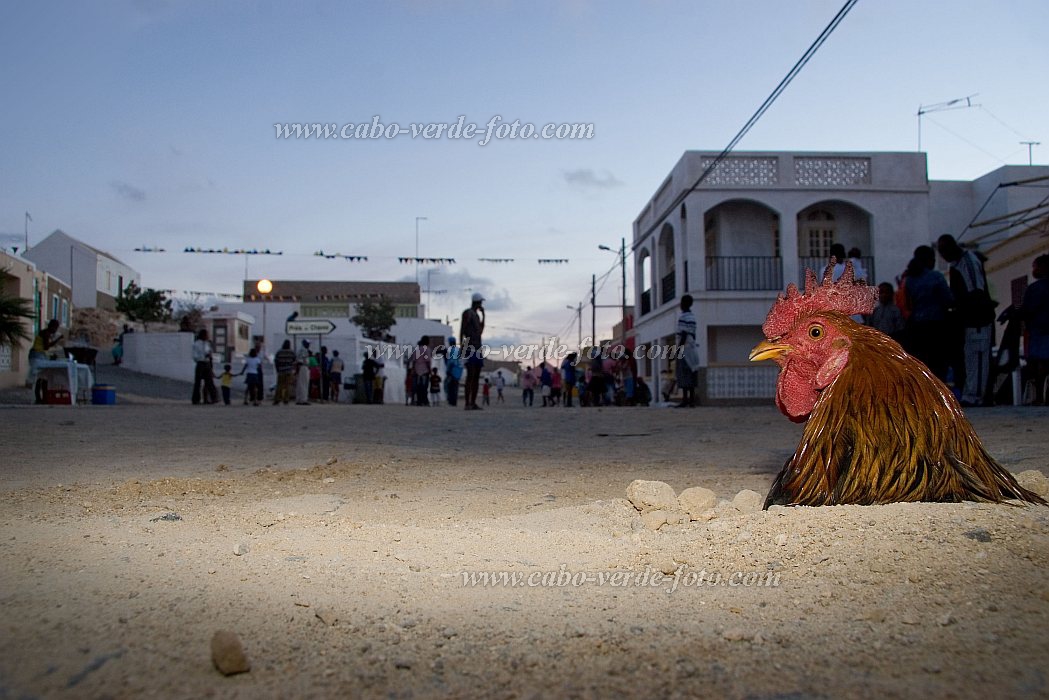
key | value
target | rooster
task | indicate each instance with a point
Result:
(881, 428)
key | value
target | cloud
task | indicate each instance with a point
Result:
(11, 240)
(460, 284)
(128, 192)
(586, 178)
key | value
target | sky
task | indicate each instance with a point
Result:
(152, 123)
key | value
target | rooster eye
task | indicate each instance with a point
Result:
(816, 332)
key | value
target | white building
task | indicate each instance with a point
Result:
(95, 277)
(760, 219)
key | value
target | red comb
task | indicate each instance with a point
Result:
(847, 295)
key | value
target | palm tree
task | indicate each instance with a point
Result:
(12, 311)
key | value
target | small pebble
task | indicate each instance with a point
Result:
(227, 653)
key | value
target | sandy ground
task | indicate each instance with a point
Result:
(342, 544)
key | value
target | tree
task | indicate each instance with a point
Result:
(374, 318)
(190, 315)
(13, 310)
(145, 305)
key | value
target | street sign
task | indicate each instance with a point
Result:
(319, 327)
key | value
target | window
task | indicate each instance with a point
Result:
(65, 313)
(818, 234)
(54, 307)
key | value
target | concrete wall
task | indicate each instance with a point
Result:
(162, 354)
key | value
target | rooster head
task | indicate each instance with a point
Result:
(808, 336)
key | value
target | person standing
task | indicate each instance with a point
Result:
(253, 377)
(928, 298)
(471, 327)
(500, 384)
(1035, 312)
(976, 312)
(284, 364)
(368, 377)
(453, 371)
(226, 379)
(302, 376)
(380, 376)
(422, 362)
(335, 375)
(886, 316)
(325, 366)
(528, 382)
(203, 377)
(688, 362)
(44, 341)
(435, 387)
(568, 377)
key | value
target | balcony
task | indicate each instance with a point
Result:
(744, 273)
(667, 288)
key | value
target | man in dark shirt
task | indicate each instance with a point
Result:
(284, 364)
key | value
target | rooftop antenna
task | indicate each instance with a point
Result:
(958, 103)
(1030, 145)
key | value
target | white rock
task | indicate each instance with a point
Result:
(1034, 480)
(747, 501)
(654, 519)
(781, 539)
(696, 501)
(227, 653)
(651, 495)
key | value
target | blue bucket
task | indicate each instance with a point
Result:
(103, 395)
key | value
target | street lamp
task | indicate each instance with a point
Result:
(622, 263)
(579, 314)
(265, 287)
(417, 220)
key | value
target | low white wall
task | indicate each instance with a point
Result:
(162, 354)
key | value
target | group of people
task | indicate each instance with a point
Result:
(302, 375)
(949, 323)
(605, 378)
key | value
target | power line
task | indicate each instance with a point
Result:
(809, 53)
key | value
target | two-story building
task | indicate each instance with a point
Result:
(48, 298)
(757, 221)
(95, 277)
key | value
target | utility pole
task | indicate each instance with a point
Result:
(622, 252)
(417, 220)
(1030, 145)
(593, 310)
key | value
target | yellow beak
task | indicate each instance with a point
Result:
(767, 350)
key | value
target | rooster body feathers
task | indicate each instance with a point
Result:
(880, 427)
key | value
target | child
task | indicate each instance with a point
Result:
(435, 387)
(486, 393)
(227, 383)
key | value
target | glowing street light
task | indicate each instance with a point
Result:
(265, 287)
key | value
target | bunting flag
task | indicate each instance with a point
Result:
(149, 249)
(427, 261)
(333, 256)
(227, 251)
(198, 293)
(496, 260)
(552, 261)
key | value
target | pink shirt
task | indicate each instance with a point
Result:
(422, 359)
(528, 380)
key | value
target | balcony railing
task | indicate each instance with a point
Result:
(668, 289)
(820, 264)
(744, 273)
(646, 301)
